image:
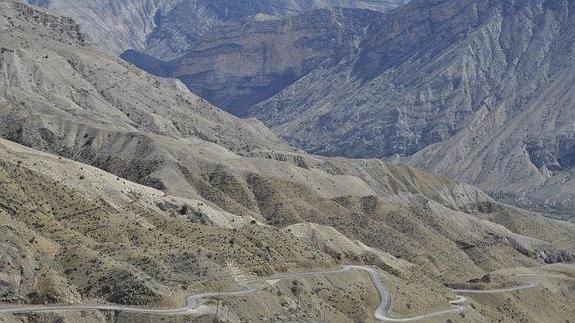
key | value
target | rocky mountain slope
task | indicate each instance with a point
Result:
(164, 28)
(461, 88)
(190, 21)
(479, 91)
(238, 65)
(458, 88)
(115, 24)
(129, 189)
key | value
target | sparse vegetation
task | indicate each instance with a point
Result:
(184, 209)
(214, 197)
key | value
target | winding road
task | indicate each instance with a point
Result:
(193, 305)
(384, 308)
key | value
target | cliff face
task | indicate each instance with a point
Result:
(239, 65)
(179, 29)
(166, 28)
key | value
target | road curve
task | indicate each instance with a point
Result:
(193, 304)
(383, 310)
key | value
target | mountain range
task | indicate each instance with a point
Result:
(476, 91)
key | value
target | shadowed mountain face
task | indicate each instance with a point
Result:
(240, 65)
(233, 53)
(167, 28)
(179, 29)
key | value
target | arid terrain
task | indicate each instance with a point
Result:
(122, 194)
(478, 91)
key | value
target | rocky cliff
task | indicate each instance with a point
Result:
(242, 64)
(166, 28)
(180, 28)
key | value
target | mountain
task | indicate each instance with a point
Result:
(239, 65)
(458, 88)
(166, 28)
(115, 24)
(465, 89)
(121, 187)
(178, 30)
(478, 91)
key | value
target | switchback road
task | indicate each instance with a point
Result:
(193, 305)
